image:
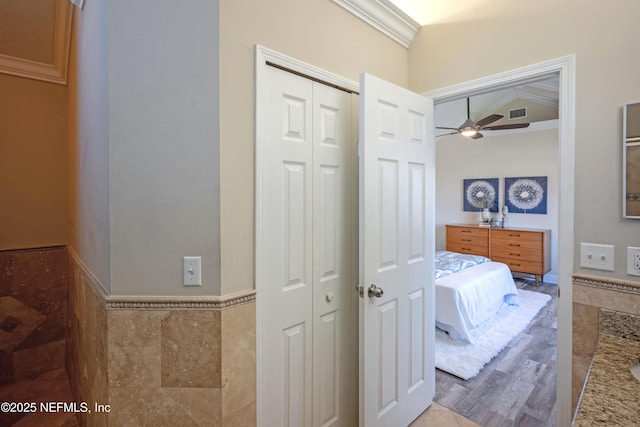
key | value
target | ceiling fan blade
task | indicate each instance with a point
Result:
(440, 127)
(446, 134)
(511, 126)
(477, 135)
(489, 119)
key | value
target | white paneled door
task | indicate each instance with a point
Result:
(308, 375)
(396, 254)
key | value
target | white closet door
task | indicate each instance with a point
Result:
(334, 381)
(307, 342)
(287, 289)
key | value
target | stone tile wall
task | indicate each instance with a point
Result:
(33, 287)
(161, 363)
(590, 294)
(86, 354)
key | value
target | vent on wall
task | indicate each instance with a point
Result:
(518, 113)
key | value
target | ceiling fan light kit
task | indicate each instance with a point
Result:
(468, 131)
(472, 129)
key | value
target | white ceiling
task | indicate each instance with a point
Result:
(428, 12)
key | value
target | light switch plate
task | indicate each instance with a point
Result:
(191, 271)
(597, 257)
(633, 261)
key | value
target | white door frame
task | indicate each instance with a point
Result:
(565, 66)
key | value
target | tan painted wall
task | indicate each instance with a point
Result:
(144, 135)
(32, 163)
(315, 31)
(517, 34)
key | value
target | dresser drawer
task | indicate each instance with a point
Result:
(468, 235)
(467, 248)
(468, 240)
(516, 238)
(521, 266)
(514, 250)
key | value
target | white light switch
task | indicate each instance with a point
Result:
(598, 257)
(633, 261)
(191, 271)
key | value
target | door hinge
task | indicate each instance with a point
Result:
(558, 291)
(360, 290)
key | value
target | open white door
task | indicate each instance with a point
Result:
(397, 322)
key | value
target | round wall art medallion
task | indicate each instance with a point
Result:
(481, 194)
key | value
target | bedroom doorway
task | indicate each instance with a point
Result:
(564, 69)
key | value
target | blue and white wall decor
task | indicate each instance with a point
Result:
(526, 194)
(480, 194)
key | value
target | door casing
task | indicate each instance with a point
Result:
(565, 67)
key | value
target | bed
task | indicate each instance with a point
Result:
(469, 290)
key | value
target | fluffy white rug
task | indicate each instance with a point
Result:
(465, 360)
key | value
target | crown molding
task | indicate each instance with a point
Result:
(385, 17)
(55, 72)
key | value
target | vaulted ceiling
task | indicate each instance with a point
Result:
(539, 100)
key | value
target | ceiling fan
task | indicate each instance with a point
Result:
(472, 129)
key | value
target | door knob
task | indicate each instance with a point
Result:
(374, 291)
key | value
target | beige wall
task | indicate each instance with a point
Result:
(144, 132)
(518, 34)
(33, 181)
(314, 31)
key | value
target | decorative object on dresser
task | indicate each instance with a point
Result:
(524, 250)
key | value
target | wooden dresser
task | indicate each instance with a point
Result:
(524, 250)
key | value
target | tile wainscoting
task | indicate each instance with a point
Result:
(33, 298)
(160, 361)
(590, 295)
(33, 286)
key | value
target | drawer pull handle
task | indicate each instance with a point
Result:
(466, 240)
(514, 264)
(514, 244)
(514, 235)
(466, 249)
(466, 231)
(514, 254)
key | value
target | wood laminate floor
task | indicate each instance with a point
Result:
(518, 387)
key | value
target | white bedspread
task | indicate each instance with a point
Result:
(469, 297)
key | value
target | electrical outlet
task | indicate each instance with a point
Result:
(633, 261)
(597, 257)
(191, 271)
